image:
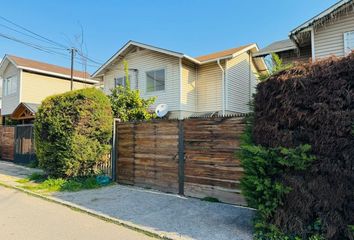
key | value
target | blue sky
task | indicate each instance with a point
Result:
(194, 27)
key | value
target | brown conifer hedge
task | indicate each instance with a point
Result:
(312, 104)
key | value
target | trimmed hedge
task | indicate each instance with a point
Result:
(73, 132)
(312, 104)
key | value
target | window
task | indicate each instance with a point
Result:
(155, 80)
(10, 85)
(348, 42)
(121, 81)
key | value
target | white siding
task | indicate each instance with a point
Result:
(329, 40)
(10, 102)
(188, 101)
(146, 60)
(209, 94)
(241, 79)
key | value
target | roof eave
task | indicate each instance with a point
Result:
(57, 74)
(142, 45)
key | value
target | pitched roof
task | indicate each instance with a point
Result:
(278, 46)
(50, 69)
(221, 54)
(199, 60)
(328, 13)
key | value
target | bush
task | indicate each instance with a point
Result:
(262, 184)
(73, 132)
(312, 104)
(127, 105)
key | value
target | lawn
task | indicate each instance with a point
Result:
(41, 183)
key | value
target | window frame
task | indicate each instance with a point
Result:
(9, 88)
(124, 81)
(164, 81)
(348, 50)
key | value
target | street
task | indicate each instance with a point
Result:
(24, 217)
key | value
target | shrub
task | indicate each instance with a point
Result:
(312, 104)
(73, 132)
(127, 105)
(262, 184)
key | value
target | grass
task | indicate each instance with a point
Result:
(211, 199)
(41, 183)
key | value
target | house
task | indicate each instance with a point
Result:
(27, 82)
(330, 33)
(215, 84)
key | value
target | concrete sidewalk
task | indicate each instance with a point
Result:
(167, 215)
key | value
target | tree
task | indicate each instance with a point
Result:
(127, 105)
(276, 65)
(73, 132)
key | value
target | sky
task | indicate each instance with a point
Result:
(101, 27)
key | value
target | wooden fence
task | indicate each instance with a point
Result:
(7, 142)
(194, 157)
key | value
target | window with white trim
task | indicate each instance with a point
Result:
(155, 80)
(348, 42)
(121, 81)
(10, 85)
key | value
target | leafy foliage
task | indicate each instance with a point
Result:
(276, 65)
(127, 105)
(262, 185)
(73, 132)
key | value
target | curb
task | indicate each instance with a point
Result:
(93, 213)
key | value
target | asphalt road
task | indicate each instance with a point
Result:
(24, 217)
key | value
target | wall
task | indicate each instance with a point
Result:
(209, 90)
(329, 40)
(189, 93)
(241, 82)
(36, 87)
(151, 154)
(10, 102)
(147, 60)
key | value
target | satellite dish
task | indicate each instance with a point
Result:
(161, 110)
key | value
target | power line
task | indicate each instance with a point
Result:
(36, 34)
(28, 35)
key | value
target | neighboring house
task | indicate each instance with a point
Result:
(330, 33)
(27, 82)
(215, 84)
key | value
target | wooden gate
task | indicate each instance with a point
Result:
(194, 157)
(147, 154)
(24, 144)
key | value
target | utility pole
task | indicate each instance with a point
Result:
(72, 51)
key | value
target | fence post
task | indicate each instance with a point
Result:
(114, 152)
(180, 158)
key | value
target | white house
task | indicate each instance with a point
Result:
(330, 33)
(218, 83)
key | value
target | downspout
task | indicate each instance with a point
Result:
(313, 50)
(250, 75)
(180, 88)
(222, 86)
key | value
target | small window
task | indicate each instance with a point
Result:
(10, 85)
(155, 80)
(348, 42)
(121, 81)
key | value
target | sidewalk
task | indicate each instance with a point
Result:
(167, 215)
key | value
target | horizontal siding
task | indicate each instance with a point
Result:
(209, 94)
(10, 102)
(35, 87)
(188, 101)
(329, 40)
(143, 61)
(239, 83)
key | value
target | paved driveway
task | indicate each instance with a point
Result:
(24, 217)
(172, 215)
(168, 214)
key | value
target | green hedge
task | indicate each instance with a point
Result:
(73, 132)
